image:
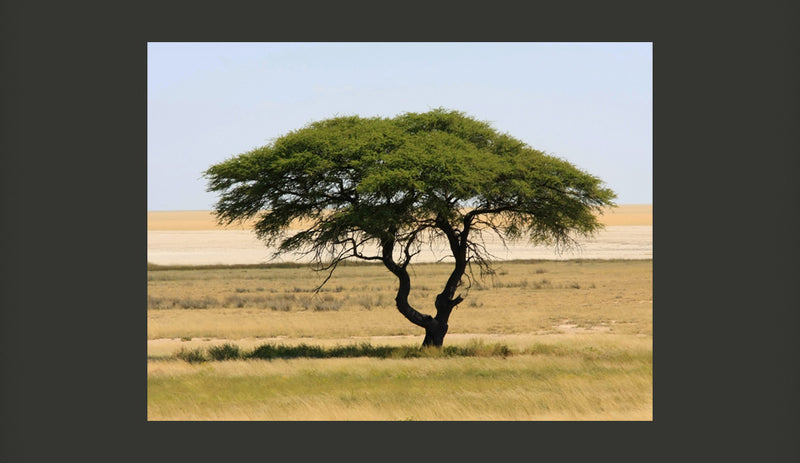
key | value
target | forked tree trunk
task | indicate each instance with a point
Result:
(435, 327)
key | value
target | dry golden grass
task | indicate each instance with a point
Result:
(579, 333)
(565, 386)
(631, 214)
(521, 298)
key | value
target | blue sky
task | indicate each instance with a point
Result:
(588, 103)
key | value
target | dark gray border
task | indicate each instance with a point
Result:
(74, 144)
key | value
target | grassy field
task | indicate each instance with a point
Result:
(538, 340)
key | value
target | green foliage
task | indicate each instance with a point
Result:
(365, 181)
(191, 355)
(278, 351)
(272, 351)
(224, 352)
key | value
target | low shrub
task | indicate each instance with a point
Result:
(185, 303)
(326, 306)
(278, 351)
(224, 352)
(191, 355)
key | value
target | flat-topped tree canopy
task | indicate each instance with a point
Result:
(376, 188)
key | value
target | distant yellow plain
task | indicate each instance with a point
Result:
(624, 215)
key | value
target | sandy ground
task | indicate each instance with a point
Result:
(194, 238)
(632, 214)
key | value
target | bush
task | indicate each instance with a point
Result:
(186, 303)
(191, 355)
(224, 352)
(264, 352)
(280, 306)
(326, 306)
(272, 351)
(158, 303)
(203, 303)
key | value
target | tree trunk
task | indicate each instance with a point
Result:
(435, 327)
(435, 332)
(434, 336)
(427, 322)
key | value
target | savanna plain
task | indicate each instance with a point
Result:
(535, 340)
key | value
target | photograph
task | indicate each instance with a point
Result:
(400, 231)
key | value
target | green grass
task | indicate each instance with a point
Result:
(566, 382)
(224, 352)
(191, 355)
(271, 351)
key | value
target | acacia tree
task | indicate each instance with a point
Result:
(378, 189)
